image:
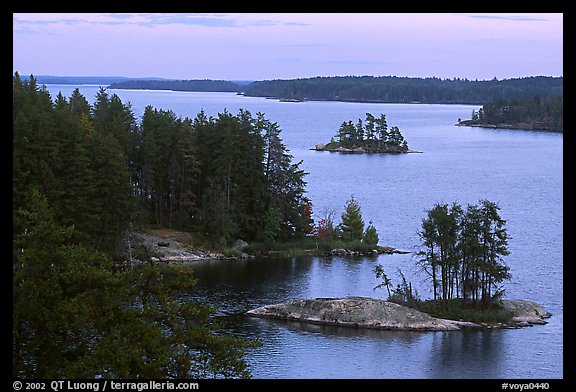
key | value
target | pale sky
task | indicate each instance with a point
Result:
(262, 46)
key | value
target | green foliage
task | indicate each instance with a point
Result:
(352, 225)
(272, 222)
(97, 166)
(179, 85)
(370, 235)
(403, 293)
(308, 246)
(81, 168)
(75, 315)
(463, 252)
(285, 184)
(537, 113)
(453, 310)
(394, 89)
(77, 174)
(372, 136)
(386, 281)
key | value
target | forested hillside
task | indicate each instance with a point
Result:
(82, 176)
(205, 85)
(386, 89)
(393, 89)
(536, 113)
(100, 169)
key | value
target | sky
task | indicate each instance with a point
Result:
(261, 46)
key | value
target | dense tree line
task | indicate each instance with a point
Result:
(462, 253)
(393, 89)
(76, 156)
(386, 89)
(535, 113)
(179, 85)
(227, 177)
(81, 175)
(76, 315)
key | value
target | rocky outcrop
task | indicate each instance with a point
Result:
(377, 250)
(171, 246)
(525, 312)
(379, 314)
(358, 312)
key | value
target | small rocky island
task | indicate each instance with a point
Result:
(369, 136)
(362, 312)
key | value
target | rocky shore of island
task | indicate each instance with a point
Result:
(173, 246)
(363, 312)
(331, 147)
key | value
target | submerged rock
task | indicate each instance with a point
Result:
(358, 312)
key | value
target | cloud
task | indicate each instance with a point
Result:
(515, 18)
(155, 19)
(188, 19)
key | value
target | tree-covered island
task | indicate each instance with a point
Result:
(534, 114)
(369, 136)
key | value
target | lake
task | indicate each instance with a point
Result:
(520, 170)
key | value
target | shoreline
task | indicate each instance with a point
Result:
(360, 150)
(371, 313)
(516, 127)
(173, 246)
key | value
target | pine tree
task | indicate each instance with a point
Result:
(359, 134)
(112, 198)
(75, 315)
(285, 182)
(370, 235)
(463, 252)
(381, 130)
(370, 131)
(352, 226)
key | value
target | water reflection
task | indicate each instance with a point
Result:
(466, 354)
(404, 337)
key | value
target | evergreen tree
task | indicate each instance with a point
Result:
(183, 174)
(370, 235)
(76, 316)
(381, 130)
(359, 134)
(158, 127)
(112, 197)
(284, 183)
(248, 173)
(352, 226)
(78, 104)
(463, 252)
(346, 134)
(370, 130)
(101, 110)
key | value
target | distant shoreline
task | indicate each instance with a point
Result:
(359, 89)
(516, 126)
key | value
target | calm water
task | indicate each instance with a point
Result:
(520, 170)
